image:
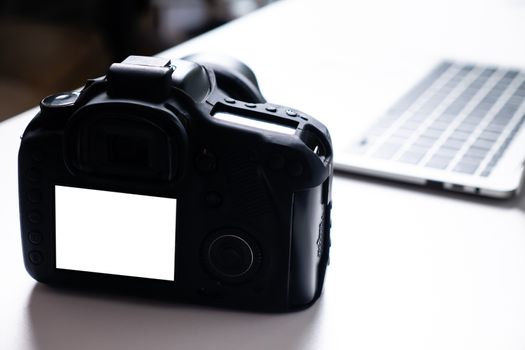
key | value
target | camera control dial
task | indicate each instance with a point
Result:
(231, 256)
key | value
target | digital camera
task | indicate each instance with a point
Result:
(177, 178)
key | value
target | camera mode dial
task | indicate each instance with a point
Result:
(64, 99)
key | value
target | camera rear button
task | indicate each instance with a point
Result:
(34, 196)
(34, 217)
(36, 257)
(229, 100)
(271, 109)
(213, 199)
(37, 155)
(35, 237)
(291, 112)
(250, 105)
(206, 162)
(33, 175)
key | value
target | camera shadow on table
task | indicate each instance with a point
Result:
(71, 319)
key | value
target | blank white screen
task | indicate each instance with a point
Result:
(115, 233)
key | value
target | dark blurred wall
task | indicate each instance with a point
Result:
(52, 46)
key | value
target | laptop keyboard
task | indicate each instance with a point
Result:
(460, 118)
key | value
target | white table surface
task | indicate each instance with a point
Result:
(410, 268)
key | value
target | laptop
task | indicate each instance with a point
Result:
(421, 92)
(460, 128)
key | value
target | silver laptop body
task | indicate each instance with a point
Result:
(458, 128)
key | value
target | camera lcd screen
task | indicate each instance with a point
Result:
(254, 123)
(115, 233)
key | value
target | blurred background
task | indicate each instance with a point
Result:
(53, 46)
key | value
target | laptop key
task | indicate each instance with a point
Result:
(411, 157)
(465, 127)
(439, 125)
(403, 133)
(432, 133)
(466, 168)
(498, 128)
(453, 144)
(438, 162)
(483, 144)
(477, 152)
(489, 135)
(386, 150)
(459, 135)
(471, 159)
(486, 172)
(445, 117)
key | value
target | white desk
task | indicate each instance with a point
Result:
(410, 268)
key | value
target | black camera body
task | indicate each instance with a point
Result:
(248, 185)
